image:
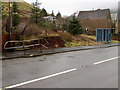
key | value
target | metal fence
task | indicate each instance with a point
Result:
(25, 45)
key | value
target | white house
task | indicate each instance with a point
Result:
(50, 18)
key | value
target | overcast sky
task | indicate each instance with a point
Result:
(68, 7)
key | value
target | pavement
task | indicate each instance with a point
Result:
(91, 68)
(34, 53)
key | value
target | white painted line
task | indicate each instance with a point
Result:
(42, 78)
(106, 60)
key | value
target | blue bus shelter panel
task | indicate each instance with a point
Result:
(99, 35)
(104, 35)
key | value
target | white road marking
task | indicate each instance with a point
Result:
(106, 60)
(53, 75)
(42, 78)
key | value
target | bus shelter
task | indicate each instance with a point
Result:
(103, 35)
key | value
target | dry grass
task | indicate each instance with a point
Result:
(33, 31)
(115, 41)
(83, 40)
(66, 36)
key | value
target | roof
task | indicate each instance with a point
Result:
(94, 14)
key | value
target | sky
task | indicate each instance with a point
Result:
(68, 7)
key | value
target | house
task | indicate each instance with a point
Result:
(91, 20)
(50, 18)
(56, 22)
(118, 18)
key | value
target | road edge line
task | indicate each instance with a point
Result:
(105, 60)
(39, 79)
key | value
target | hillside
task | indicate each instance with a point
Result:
(33, 31)
(24, 7)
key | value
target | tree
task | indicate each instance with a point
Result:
(58, 16)
(15, 7)
(74, 26)
(15, 15)
(35, 12)
(4, 16)
(15, 20)
(43, 13)
(4, 11)
(52, 14)
(65, 24)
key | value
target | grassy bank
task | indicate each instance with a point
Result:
(85, 40)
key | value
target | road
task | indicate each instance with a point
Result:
(96, 68)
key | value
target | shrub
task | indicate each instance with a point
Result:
(74, 26)
(32, 30)
(15, 19)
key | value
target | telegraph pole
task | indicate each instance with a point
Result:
(9, 20)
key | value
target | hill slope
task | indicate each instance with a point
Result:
(24, 7)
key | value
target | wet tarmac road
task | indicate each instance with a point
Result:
(68, 70)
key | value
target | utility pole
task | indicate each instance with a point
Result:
(9, 20)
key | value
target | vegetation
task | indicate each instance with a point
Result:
(23, 7)
(74, 26)
(5, 16)
(35, 14)
(58, 16)
(4, 11)
(43, 13)
(52, 14)
(70, 30)
(83, 40)
(15, 15)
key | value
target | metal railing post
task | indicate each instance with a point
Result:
(24, 47)
(39, 46)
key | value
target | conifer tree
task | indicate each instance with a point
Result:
(58, 16)
(35, 12)
(43, 13)
(15, 15)
(52, 14)
(74, 26)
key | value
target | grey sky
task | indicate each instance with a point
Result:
(68, 7)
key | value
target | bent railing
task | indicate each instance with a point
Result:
(10, 45)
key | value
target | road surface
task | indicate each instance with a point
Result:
(96, 68)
